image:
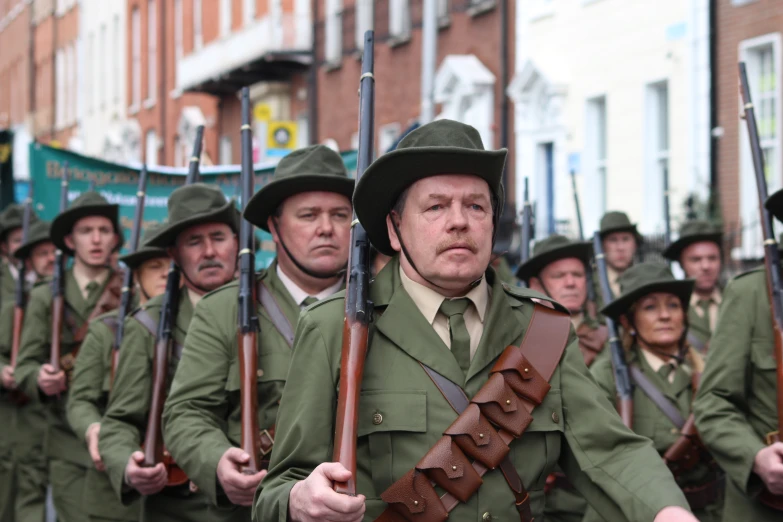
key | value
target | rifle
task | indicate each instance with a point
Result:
(153, 437)
(771, 265)
(524, 242)
(58, 284)
(125, 297)
(622, 376)
(358, 307)
(248, 320)
(590, 306)
(20, 298)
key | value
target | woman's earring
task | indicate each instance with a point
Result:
(633, 333)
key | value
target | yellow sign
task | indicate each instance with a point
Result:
(262, 112)
(5, 152)
(281, 135)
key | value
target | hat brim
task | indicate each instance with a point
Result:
(137, 258)
(674, 251)
(533, 266)
(266, 201)
(385, 180)
(63, 224)
(24, 251)
(681, 288)
(774, 204)
(625, 228)
(167, 235)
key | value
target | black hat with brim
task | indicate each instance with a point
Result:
(145, 252)
(643, 279)
(86, 205)
(440, 147)
(39, 233)
(551, 249)
(312, 169)
(13, 218)
(774, 204)
(696, 231)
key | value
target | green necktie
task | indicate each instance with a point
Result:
(308, 301)
(92, 286)
(704, 304)
(665, 371)
(460, 338)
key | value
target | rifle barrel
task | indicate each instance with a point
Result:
(58, 281)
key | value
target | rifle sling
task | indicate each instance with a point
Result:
(697, 343)
(276, 315)
(548, 328)
(655, 395)
(146, 320)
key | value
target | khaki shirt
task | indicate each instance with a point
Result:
(428, 302)
(299, 295)
(613, 275)
(714, 304)
(82, 281)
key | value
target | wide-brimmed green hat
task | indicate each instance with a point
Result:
(774, 204)
(643, 279)
(86, 205)
(440, 147)
(145, 252)
(691, 232)
(315, 168)
(13, 217)
(617, 222)
(38, 233)
(192, 205)
(553, 249)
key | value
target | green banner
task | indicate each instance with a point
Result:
(6, 168)
(117, 183)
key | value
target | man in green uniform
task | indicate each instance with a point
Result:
(307, 208)
(698, 250)
(620, 240)
(89, 231)
(441, 315)
(736, 404)
(201, 239)
(92, 381)
(557, 269)
(26, 421)
(10, 240)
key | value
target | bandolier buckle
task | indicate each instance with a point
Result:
(772, 437)
(267, 441)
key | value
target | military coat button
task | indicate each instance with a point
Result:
(555, 417)
(377, 418)
(487, 517)
(260, 373)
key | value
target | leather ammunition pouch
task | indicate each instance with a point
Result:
(703, 495)
(591, 341)
(478, 440)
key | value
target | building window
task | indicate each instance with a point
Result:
(136, 58)
(225, 152)
(178, 47)
(364, 20)
(59, 71)
(400, 18)
(91, 75)
(152, 51)
(595, 151)
(656, 152)
(103, 77)
(198, 37)
(334, 31)
(151, 148)
(225, 17)
(72, 96)
(387, 136)
(249, 11)
(117, 58)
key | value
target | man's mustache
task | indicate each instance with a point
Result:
(210, 263)
(461, 242)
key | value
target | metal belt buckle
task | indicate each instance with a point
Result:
(266, 448)
(772, 437)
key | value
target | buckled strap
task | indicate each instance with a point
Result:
(276, 315)
(697, 343)
(655, 395)
(146, 320)
(267, 440)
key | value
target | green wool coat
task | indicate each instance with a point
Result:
(651, 422)
(87, 401)
(633, 484)
(736, 405)
(699, 326)
(204, 396)
(7, 284)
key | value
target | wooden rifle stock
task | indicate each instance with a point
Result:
(771, 265)
(153, 438)
(358, 308)
(622, 375)
(247, 328)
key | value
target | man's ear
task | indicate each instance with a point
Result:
(69, 242)
(536, 284)
(270, 224)
(393, 239)
(625, 323)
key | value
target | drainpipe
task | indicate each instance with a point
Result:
(163, 82)
(31, 67)
(54, 73)
(714, 199)
(429, 56)
(312, 87)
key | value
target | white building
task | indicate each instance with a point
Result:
(620, 91)
(104, 131)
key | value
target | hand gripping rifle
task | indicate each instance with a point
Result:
(622, 375)
(590, 306)
(153, 437)
(127, 280)
(772, 266)
(358, 308)
(527, 218)
(58, 284)
(247, 319)
(20, 299)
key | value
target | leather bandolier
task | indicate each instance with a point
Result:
(591, 341)
(478, 440)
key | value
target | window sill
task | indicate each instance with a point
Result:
(174, 94)
(330, 66)
(399, 40)
(133, 109)
(149, 103)
(444, 22)
(481, 7)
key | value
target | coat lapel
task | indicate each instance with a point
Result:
(281, 295)
(74, 297)
(184, 315)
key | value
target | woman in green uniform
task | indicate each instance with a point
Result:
(651, 311)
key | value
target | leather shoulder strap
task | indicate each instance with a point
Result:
(276, 315)
(697, 343)
(657, 397)
(145, 319)
(111, 324)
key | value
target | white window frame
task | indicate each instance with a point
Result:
(541, 9)
(72, 77)
(752, 240)
(656, 156)
(59, 71)
(151, 148)
(103, 77)
(400, 18)
(198, 33)
(249, 11)
(135, 60)
(595, 160)
(179, 155)
(364, 15)
(387, 135)
(152, 53)
(91, 74)
(118, 58)
(225, 17)
(226, 151)
(179, 48)
(333, 32)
